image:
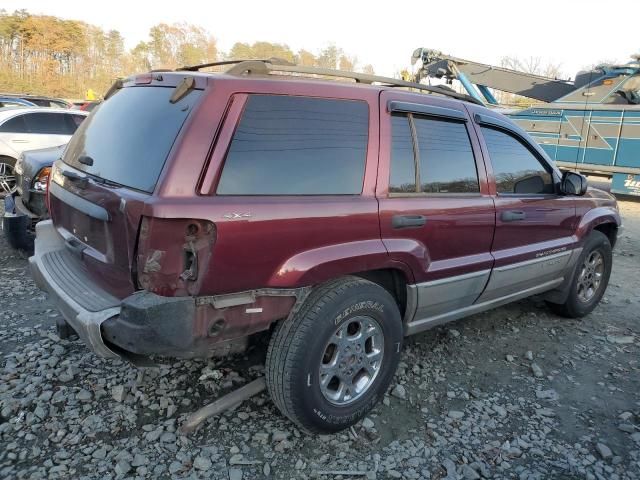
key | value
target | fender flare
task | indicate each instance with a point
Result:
(319, 265)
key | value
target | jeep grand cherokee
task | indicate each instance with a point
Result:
(192, 210)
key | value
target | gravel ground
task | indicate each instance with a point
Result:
(512, 393)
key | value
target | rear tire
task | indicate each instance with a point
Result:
(330, 363)
(590, 278)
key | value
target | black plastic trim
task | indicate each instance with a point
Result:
(495, 122)
(430, 110)
(78, 203)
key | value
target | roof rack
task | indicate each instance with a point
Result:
(267, 66)
(272, 60)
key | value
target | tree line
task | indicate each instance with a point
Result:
(43, 54)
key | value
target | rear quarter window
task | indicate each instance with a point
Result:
(287, 145)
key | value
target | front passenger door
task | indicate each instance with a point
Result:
(534, 238)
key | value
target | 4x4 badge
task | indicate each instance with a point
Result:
(234, 216)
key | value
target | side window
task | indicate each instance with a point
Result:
(47, 123)
(287, 145)
(447, 164)
(445, 161)
(403, 166)
(14, 125)
(515, 167)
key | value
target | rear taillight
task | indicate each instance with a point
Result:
(41, 180)
(173, 254)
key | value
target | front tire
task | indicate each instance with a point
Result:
(590, 278)
(330, 363)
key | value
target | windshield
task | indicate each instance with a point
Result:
(127, 138)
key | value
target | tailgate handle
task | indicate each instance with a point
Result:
(513, 215)
(75, 246)
(408, 221)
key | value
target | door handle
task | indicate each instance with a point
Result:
(408, 221)
(513, 215)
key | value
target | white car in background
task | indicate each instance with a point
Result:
(29, 128)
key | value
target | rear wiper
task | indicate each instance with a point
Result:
(94, 178)
(104, 181)
(71, 175)
(79, 180)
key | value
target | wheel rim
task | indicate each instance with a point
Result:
(351, 360)
(7, 179)
(590, 278)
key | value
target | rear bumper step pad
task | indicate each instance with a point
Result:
(84, 305)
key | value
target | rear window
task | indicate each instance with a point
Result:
(129, 136)
(287, 145)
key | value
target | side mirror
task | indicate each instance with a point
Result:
(573, 184)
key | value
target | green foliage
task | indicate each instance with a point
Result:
(49, 55)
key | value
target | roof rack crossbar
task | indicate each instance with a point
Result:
(195, 68)
(264, 67)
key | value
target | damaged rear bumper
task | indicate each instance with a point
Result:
(57, 272)
(145, 323)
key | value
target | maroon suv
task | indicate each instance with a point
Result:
(192, 210)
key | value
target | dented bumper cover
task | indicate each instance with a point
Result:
(145, 323)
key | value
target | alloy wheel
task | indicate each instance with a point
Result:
(590, 277)
(352, 360)
(7, 179)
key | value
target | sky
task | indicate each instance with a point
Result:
(574, 34)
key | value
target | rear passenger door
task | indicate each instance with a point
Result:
(435, 211)
(14, 133)
(534, 237)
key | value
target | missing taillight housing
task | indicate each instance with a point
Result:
(190, 264)
(174, 254)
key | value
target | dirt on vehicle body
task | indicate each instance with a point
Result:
(343, 217)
